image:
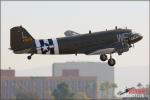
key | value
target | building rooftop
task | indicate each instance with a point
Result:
(7, 72)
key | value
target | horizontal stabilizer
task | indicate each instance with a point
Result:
(70, 33)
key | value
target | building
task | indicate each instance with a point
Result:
(135, 98)
(7, 73)
(102, 71)
(42, 87)
(139, 92)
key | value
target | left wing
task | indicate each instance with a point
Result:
(102, 49)
(70, 33)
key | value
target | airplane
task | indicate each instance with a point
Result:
(92, 43)
(125, 91)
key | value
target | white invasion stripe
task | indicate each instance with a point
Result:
(38, 46)
(56, 49)
(51, 46)
(46, 41)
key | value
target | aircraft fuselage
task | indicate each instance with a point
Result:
(92, 43)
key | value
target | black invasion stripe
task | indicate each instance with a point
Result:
(50, 42)
(43, 52)
(41, 43)
(52, 50)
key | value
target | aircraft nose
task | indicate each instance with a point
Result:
(139, 36)
(136, 37)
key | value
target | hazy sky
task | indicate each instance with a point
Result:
(51, 19)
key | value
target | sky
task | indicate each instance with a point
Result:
(48, 19)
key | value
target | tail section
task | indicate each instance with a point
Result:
(20, 40)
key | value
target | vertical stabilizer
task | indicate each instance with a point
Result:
(20, 39)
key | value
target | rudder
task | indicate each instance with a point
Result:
(20, 39)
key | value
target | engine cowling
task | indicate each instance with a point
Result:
(124, 49)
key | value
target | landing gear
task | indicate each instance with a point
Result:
(103, 57)
(30, 56)
(111, 61)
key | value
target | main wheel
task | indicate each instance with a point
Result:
(111, 62)
(103, 57)
(29, 57)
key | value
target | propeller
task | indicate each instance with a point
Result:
(129, 41)
(90, 32)
(133, 45)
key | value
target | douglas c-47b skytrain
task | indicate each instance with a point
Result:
(92, 43)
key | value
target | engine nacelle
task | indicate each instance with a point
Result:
(124, 49)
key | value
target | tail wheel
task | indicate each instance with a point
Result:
(29, 57)
(111, 62)
(103, 57)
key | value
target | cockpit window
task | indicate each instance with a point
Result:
(127, 34)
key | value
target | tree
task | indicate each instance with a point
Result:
(50, 95)
(139, 85)
(80, 96)
(102, 89)
(105, 86)
(21, 94)
(62, 92)
(113, 86)
(147, 86)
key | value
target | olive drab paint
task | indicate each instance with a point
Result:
(92, 43)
